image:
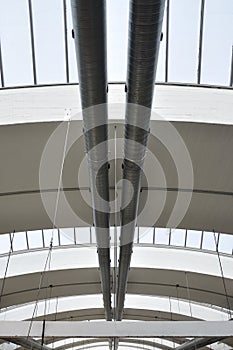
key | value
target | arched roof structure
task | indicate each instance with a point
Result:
(181, 267)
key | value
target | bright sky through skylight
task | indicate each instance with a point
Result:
(49, 41)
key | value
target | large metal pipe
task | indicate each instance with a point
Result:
(145, 25)
(89, 23)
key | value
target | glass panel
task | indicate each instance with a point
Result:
(160, 74)
(82, 235)
(225, 243)
(50, 46)
(217, 42)
(183, 42)
(5, 243)
(66, 235)
(136, 235)
(178, 237)
(71, 48)
(19, 241)
(48, 235)
(117, 29)
(112, 235)
(146, 234)
(194, 239)
(35, 239)
(93, 236)
(49, 40)
(209, 241)
(16, 42)
(162, 235)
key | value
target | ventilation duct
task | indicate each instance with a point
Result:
(89, 23)
(145, 25)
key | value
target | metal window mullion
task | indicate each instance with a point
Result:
(27, 242)
(167, 41)
(169, 238)
(217, 241)
(231, 77)
(90, 236)
(11, 242)
(186, 236)
(202, 13)
(32, 41)
(154, 235)
(66, 42)
(75, 242)
(202, 236)
(138, 235)
(59, 237)
(1, 66)
(43, 240)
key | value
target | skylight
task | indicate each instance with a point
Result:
(49, 30)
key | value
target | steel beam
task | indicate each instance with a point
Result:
(28, 343)
(88, 342)
(149, 329)
(198, 343)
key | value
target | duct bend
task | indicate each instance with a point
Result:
(145, 25)
(89, 23)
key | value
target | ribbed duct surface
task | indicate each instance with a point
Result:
(89, 23)
(145, 27)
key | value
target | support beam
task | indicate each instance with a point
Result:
(150, 329)
(93, 341)
(198, 343)
(28, 343)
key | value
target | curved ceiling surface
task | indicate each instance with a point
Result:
(189, 150)
(191, 156)
(153, 272)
